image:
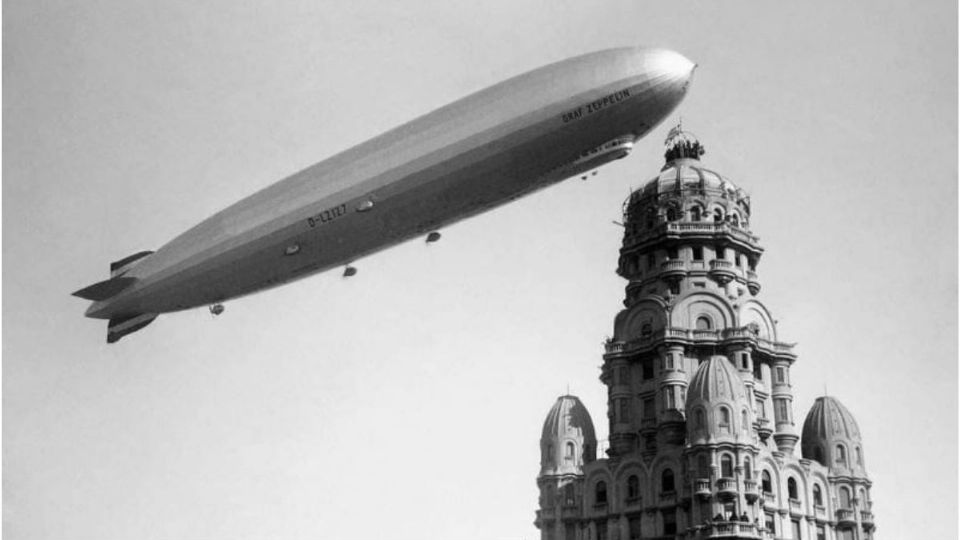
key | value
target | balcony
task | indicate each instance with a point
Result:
(727, 488)
(701, 486)
(569, 512)
(678, 334)
(673, 269)
(731, 529)
(546, 514)
(750, 490)
(648, 424)
(819, 512)
(753, 284)
(845, 518)
(764, 429)
(722, 270)
(866, 518)
(675, 229)
(796, 509)
(769, 499)
(668, 498)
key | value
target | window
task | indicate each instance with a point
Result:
(844, 497)
(624, 410)
(859, 456)
(600, 492)
(744, 422)
(698, 419)
(647, 369)
(668, 361)
(672, 254)
(796, 529)
(818, 454)
(792, 488)
(765, 482)
(737, 260)
(757, 371)
(771, 525)
(666, 481)
(695, 213)
(571, 450)
(735, 219)
(718, 216)
(703, 466)
(704, 323)
(761, 410)
(669, 398)
(751, 264)
(548, 496)
(602, 530)
(747, 469)
(726, 466)
(817, 495)
(633, 487)
(721, 252)
(670, 523)
(569, 496)
(649, 408)
(780, 411)
(841, 455)
(781, 374)
(821, 532)
(671, 214)
(724, 417)
(634, 525)
(697, 253)
(744, 361)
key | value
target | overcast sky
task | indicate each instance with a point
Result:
(408, 400)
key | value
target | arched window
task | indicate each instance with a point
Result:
(817, 495)
(725, 419)
(704, 323)
(718, 215)
(766, 483)
(569, 496)
(747, 469)
(726, 466)
(666, 481)
(695, 213)
(699, 419)
(792, 488)
(746, 424)
(671, 214)
(735, 219)
(841, 455)
(859, 456)
(844, 497)
(549, 455)
(600, 493)
(633, 487)
(646, 330)
(571, 450)
(863, 497)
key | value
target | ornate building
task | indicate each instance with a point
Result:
(700, 407)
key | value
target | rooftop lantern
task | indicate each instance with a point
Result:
(681, 144)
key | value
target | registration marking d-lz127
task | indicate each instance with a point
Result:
(327, 215)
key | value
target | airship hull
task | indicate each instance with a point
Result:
(475, 154)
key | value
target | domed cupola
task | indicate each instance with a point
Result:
(832, 437)
(684, 172)
(718, 407)
(568, 440)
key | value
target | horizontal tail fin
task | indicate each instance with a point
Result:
(105, 289)
(121, 326)
(119, 267)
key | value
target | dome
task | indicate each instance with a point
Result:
(831, 436)
(718, 406)
(683, 169)
(568, 440)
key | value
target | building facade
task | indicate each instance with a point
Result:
(702, 437)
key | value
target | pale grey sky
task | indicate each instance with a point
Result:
(408, 400)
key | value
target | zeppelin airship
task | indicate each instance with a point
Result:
(489, 148)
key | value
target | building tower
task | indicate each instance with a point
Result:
(700, 406)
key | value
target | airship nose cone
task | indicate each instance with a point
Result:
(670, 64)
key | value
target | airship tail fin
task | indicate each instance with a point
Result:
(121, 326)
(105, 289)
(117, 268)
